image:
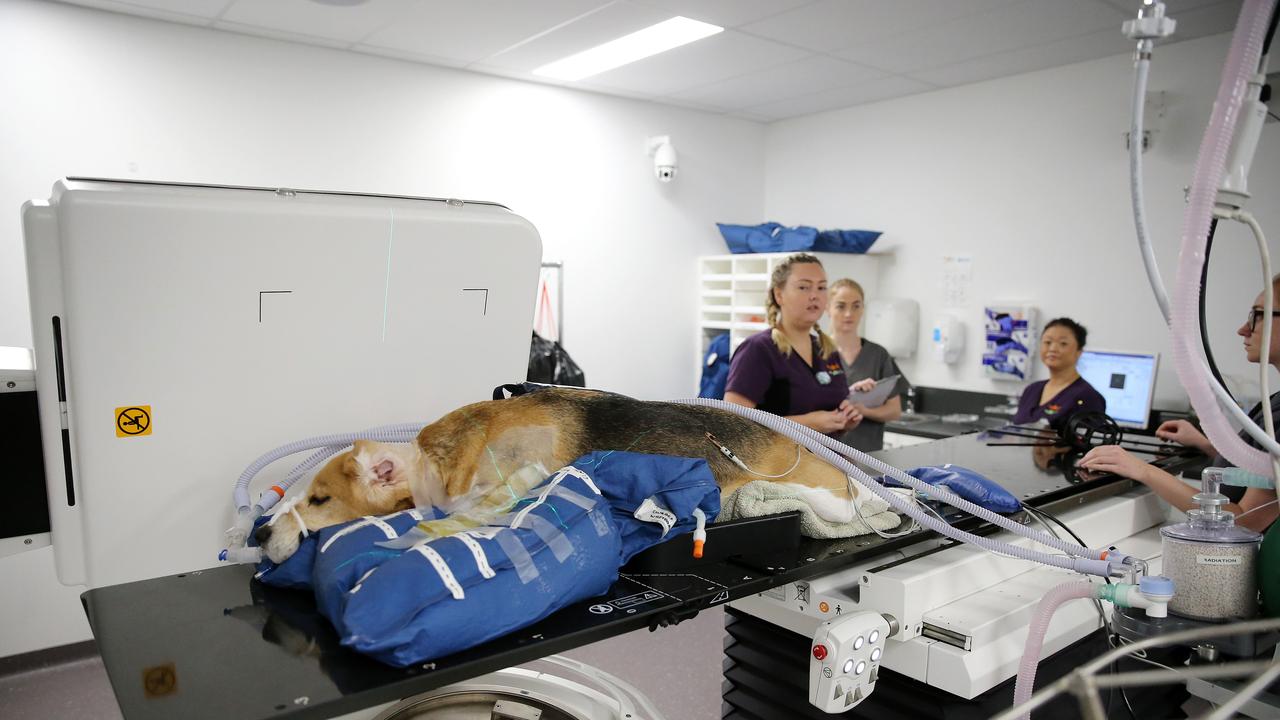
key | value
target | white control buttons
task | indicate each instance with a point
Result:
(875, 635)
(857, 643)
(875, 655)
(848, 665)
(862, 665)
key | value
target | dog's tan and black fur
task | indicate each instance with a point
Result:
(375, 478)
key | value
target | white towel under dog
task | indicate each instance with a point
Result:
(762, 497)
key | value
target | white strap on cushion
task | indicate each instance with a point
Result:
(442, 568)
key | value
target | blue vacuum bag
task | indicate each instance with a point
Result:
(966, 483)
(671, 484)
(458, 591)
(562, 543)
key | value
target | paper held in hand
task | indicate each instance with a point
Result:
(876, 396)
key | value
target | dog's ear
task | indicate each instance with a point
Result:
(372, 463)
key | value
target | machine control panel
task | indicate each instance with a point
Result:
(844, 660)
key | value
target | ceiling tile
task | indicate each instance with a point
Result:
(803, 77)
(408, 56)
(274, 34)
(474, 30)
(1008, 28)
(868, 92)
(1063, 52)
(609, 23)
(836, 24)
(725, 13)
(344, 23)
(187, 12)
(708, 60)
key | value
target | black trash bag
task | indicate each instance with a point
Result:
(549, 363)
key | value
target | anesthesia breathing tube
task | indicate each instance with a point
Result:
(325, 446)
(837, 454)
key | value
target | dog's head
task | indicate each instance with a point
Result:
(371, 478)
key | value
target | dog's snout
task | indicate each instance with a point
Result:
(262, 534)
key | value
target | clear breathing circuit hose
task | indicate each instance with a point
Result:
(837, 454)
(1141, 71)
(325, 446)
(1242, 62)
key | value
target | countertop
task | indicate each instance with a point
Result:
(932, 426)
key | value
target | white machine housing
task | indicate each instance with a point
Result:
(246, 318)
(962, 612)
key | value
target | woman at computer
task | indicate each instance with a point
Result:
(863, 360)
(1065, 392)
(792, 369)
(1118, 461)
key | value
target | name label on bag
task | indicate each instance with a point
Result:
(650, 512)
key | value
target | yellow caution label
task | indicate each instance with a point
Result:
(133, 421)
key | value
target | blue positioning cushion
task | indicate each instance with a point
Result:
(561, 543)
(966, 483)
(675, 484)
(297, 571)
(454, 592)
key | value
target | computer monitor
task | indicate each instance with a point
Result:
(1127, 380)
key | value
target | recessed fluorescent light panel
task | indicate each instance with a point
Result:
(641, 44)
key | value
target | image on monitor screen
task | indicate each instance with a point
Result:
(1126, 380)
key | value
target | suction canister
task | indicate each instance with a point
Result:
(1211, 560)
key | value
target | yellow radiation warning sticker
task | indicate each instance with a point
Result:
(133, 421)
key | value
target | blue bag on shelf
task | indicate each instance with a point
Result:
(845, 241)
(774, 237)
(768, 237)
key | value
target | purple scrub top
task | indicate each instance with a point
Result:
(1075, 397)
(785, 384)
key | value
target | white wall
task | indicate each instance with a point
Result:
(1028, 175)
(96, 94)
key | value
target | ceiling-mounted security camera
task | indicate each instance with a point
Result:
(665, 163)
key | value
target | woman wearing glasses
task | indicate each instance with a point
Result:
(792, 369)
(1113, 459)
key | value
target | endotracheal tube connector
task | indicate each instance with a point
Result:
(1152, 594)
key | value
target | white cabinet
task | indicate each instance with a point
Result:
(732, 291)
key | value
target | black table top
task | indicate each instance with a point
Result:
(217, 644)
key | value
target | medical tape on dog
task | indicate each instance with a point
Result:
(366, 521)
(519, 556)
(542, 497)
(442, 568)
(482, 563)
(553, 536)
(290, 507)
(576, 498)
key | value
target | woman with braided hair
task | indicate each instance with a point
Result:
(793, 369)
